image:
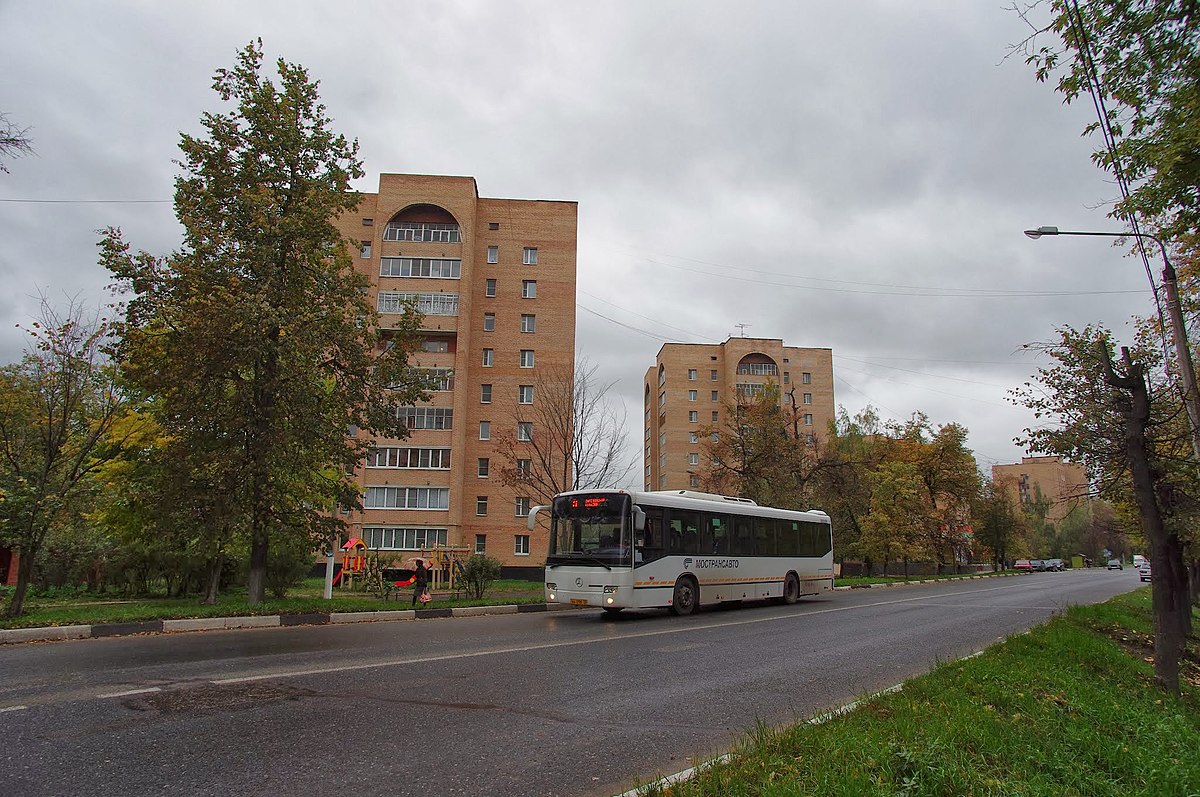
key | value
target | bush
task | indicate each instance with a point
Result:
(479, 572)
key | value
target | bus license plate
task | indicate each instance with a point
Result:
(579, 601)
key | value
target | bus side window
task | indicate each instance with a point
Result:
(764, 536)
(742, 543)
(652, 537)
(685, 531)
(716, 535)
(788, 540)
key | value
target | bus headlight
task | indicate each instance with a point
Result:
(609, 600)
(552, 589)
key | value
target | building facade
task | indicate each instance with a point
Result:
(1063, 485)
(693, 385)
(495, 280)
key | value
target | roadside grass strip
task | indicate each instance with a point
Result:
(1069, 708)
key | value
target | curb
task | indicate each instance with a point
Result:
(9, 636)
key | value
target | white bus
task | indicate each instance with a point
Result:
(619, 549)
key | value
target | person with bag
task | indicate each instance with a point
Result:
(421, 585)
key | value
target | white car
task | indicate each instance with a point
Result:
(1144, 571)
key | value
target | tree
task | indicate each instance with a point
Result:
(854, 448)
(1135, 444)
(762, 454)
(56, 407)
(1141, 60)
(898, 523)
(997, 523)
(479, 572)
(576, 437)
(256, 340)
(14, 141)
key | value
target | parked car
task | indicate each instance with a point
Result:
(1115, 564)
(1055, 564)
(1144, 571)
(1023, 564)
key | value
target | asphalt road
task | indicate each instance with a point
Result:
(564, 703)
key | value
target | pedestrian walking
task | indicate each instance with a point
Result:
(421, 585)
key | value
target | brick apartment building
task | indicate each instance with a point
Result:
(691, 385)
(495, 279)
(1063, 484)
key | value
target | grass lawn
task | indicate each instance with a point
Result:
(861, 580)
(306, 598)
(1067, 709)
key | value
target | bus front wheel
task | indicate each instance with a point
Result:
(685, 597)
(791, 589)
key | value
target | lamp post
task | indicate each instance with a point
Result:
(1183, 353)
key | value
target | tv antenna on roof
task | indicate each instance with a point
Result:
(742, 329)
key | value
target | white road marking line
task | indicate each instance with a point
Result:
(13, 708)
(129, 692)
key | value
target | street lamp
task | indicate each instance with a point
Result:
(1191, 397)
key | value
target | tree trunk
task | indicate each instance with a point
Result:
(16, 607)
(214, 580)
(1169, 625)
(1194, 580)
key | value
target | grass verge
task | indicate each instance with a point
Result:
(1067, 709)
(853, 581)
(304, 599)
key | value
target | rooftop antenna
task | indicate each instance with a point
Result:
(742, 329)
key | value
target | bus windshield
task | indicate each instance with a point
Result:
(591, 529)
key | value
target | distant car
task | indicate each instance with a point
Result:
(1023, 564)
(1038, 564)
(1055, 564)
(1115, 564)
(1144, 571)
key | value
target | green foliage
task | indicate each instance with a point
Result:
(256, 344)
(1146, 57)
(479, 572)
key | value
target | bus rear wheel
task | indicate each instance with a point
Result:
(685, 597)
(791, 589)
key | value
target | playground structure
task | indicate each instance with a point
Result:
(445, 563)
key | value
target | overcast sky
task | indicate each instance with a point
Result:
(851, 176)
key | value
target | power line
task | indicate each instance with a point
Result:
(91, 201)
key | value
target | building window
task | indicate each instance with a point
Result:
(490, 288)
(440, 380)
(487, 357)
(484, 468)
(409, 458)
(423, 267)
(524, 431)
(426, 417)
(480, 544)
(712, 375)
(365, 251)
(526, 358)
(757, 369)
(693, 417)
(662, 375)
(787, 377)
(432, 346)
(493, 254)
(522, 506)
(692, 374)
(485, 430)
(808, 398)
(716, 395)
(808, 419)
(662, 439)
(693, 459)
(716, 437)
(694, 481)
(525, 468)
(407, 498)
(528, 323)
(521, 545)
(481, 505)
(716, 416)
(693, 437)
(806, 378)
(425, 303)
(528, 289)
(530, 256)
(420, 231)
(489, 322)
(368, 222)
(525, 394)
(692, 395)
(485, 394)
(387, 538)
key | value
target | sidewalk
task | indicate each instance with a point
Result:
(59, 633)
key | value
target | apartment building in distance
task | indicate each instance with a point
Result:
(1063, 484)
(692, 385)
(495, 280)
